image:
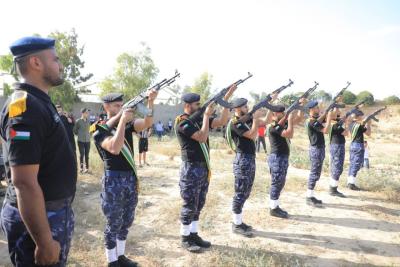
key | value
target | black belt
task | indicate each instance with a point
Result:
(52, 205)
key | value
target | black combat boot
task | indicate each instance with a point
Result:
(113, 264)
(278, 212)
(353, 187)
(199, 241)
(312, 201)
(242, 229)
(189, 244)
(334, 192)
(125, 262)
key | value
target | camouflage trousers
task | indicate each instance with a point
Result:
(317, 156)
(337, 152)
(193, 185)
(119, 198)
(20, 244)
(356, 158)
(278, 166)
(244, 169)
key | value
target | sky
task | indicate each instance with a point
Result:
(331, 42)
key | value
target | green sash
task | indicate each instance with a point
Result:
(354, 131)
(126, 151)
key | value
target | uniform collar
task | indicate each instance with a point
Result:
(33, 90)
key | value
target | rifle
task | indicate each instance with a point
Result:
(334, 103)
(264, 103)
(296, 104)
(372, 116)
(218, 98)
(137, 101)
(351, 111)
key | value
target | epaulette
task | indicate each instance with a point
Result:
(180, 118)
(17, 105)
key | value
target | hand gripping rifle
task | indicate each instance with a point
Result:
(334, 103)
(372, 116)
(218, 98)
(137, 101)
(264, 103)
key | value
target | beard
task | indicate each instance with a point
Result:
(52, 79)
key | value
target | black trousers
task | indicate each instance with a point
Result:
(261, 139)
(84, 148)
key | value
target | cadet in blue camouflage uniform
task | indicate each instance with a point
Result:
(41, 170)
(278, 161)
(357, 129)
(337, 133)
(114, 142)
(195, 170)
(241, 137)
(316, 130)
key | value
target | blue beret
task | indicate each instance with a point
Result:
(239, 102)
(113, 97)
(358, 112)
(190, 98)
(312, 104)
(29, 45)
(279, 108)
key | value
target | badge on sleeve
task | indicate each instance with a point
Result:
(19, 135)
(17, 105)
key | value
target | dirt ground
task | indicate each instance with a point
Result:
(360, 230)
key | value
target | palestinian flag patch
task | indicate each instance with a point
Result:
(19, 135)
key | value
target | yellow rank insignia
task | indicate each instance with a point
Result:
(17, 105)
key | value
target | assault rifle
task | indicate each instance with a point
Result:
(373, 115)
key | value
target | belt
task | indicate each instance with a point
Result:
(117, 174)
(52, 205)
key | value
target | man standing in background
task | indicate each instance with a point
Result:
(69, 126)
(144, 145)
(261, 138)
(81, 129)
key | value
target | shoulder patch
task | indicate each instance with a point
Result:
(17, 104)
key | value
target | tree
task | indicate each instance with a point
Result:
(289, 98)
(367, 96)
(201, 86)
(391, 100)
(133, 74)
(258, 97)
(70, 54)
(321, 95)
(349, 98)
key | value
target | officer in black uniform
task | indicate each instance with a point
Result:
(241, 138)
(195, 169)
(40, 164)
(316, 129)
(119, 196)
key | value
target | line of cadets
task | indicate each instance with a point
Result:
(41, 167)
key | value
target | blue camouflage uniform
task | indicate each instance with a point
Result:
(194, 171)
(278, 160)
(356, 147)
(119, 196)
(337, 150)
(316, 152)
(244, 164)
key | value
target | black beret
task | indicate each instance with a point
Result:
(112, 97)
(190, 98)
(358, 112)
(28, 45)
(83, 110)
(239, 102)
(279, 108)
(312, 104)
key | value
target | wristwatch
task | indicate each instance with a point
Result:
(149, 112)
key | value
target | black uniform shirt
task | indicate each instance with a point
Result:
(337, 136)
(69, 127)
(279, 144)
(243, 145)
(34, 134)
(357, 136)
(314, 133)
(111, 161)
(190, 148)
